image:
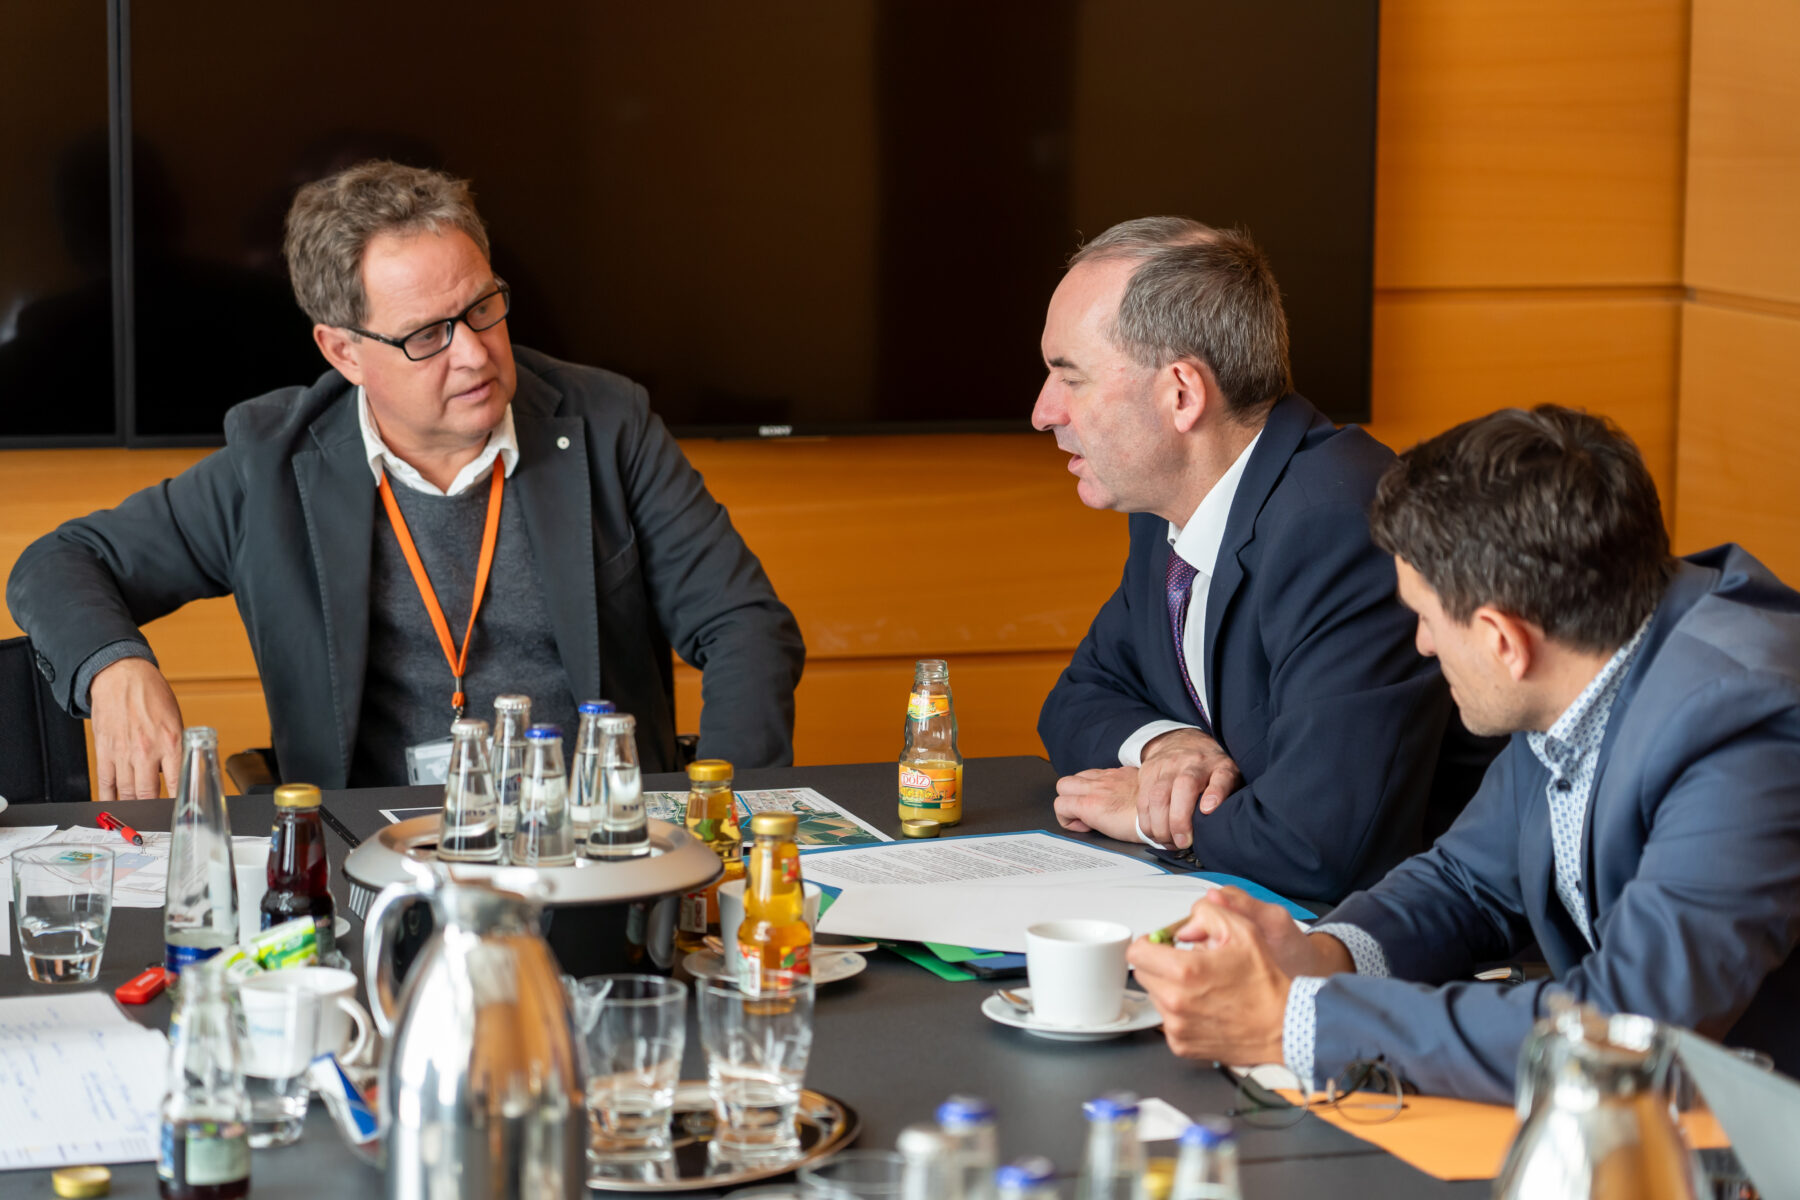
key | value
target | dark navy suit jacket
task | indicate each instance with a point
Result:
(1690, 863)
(1312, 679)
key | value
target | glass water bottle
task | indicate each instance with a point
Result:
(544, 838)
(620, 828)
(200, 912)
(469, 830)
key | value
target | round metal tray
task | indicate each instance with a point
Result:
(827, 1125)
(678, 862)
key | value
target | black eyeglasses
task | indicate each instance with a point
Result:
(434, 338)
(1369, 1094)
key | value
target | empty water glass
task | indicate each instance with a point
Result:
(756, 1052)
(633, 1031)
(280, 1038)
(62, 898)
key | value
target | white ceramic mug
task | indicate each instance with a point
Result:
(731, 912)
(251, 864)
(1077, 971)
(344, 1026)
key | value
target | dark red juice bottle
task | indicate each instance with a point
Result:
(299, 875)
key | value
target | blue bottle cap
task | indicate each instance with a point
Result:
(543, 733)
(1111, 1106)
(1026, 1172)
(1208, 1132)
(959, 1111)
(589, 708)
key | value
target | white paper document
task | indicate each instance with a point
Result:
(1013, 859)
(993, 918)
(16, 838)
(140, 873)
(79, 1082)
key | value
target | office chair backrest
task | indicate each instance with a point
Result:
(43, 751)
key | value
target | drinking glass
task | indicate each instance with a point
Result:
(756, 1051)
(62, 897)
(855, 1175)
(281, 1036)
(633, 1031)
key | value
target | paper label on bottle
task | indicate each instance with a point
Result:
(177, 958)
(758, 979)
(790, 869)
(209, 1156)
(922, 706)
(691, 917)
(927, 787)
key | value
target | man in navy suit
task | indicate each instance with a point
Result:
(1251, 690)
(1642, 827)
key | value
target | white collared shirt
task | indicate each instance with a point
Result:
(1198, 543)
(501, 444)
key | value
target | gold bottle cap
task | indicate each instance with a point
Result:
(1159, 1178)
(920, 827)
(709, 770)
(774, 824)
(297, 795)
(81, 1181)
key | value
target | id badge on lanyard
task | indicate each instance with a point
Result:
(428, 763)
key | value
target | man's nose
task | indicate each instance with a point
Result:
(468, 349)
(1049, 411)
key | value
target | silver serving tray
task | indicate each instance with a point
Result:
(678, 862)
(826, 1123)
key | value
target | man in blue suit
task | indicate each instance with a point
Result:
(1642, 827)
(1251, 690)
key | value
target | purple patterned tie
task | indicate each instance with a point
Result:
(1180, 591)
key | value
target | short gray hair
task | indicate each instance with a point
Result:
(1200, 293)
(333, 220)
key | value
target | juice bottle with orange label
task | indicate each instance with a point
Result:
(931, 767)
(774, 942)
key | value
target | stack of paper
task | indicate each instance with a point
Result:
(79, 1082)
(985, 890)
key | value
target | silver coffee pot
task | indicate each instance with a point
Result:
(1594, 1112)
(481, 1086)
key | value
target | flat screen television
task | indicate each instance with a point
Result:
(782, 217)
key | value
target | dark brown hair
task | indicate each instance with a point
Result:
(1201, 293)
(1549, 515)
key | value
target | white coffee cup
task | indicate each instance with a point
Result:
(344, 1028)
(731, 911)
(251, 864)
(1077, 971)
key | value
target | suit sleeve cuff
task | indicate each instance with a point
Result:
(97, 662)
(1300, 1028)
(1131, 753)
(1364, 950)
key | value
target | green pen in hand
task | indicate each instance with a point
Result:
(1166, 935)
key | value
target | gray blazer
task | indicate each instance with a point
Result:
(1690, 871)
(634, 554)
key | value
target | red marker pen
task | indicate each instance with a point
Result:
(107, 821)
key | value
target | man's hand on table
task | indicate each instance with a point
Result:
(137, 730)
(1224, 995)
(1183, 771)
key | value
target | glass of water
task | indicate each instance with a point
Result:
(633, 1031)
(280, 1038)
(756, 1051)
(62, 897)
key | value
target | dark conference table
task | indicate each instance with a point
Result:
(891, 1042)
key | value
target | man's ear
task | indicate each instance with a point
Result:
(1513, 642)
(1192, 391)
(341, 349)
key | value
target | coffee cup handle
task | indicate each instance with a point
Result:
(359, 1045)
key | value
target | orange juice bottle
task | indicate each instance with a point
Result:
(774, 942)
(931, 767)
(711, 817)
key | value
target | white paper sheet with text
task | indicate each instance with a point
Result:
(1013, 859)
(995, 918)
(79, 1082)
(140, 873)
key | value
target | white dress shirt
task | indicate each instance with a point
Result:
(1198, 544)
(501, 444)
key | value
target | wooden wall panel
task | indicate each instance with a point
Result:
(1530, 142)
(1446, 357)
(1743, 177)
(1739, 429)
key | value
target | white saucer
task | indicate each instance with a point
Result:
(1139, 1014)
(829, 966)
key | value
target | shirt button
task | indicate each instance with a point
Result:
(1562, 785)
(562, 443)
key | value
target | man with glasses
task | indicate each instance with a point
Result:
(437, 520)
(1642, 826)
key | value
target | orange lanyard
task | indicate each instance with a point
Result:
(458, 662)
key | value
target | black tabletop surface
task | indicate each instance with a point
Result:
(891, 1042)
